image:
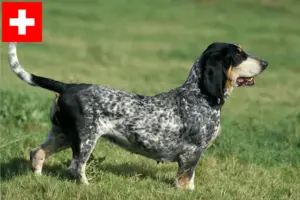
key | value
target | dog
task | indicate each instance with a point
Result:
(173, 126)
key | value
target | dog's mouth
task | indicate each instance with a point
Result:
(245, 81)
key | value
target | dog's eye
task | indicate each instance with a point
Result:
(239, 52)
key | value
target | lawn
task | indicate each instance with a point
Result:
(148, 47)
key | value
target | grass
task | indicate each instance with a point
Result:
(148, 47)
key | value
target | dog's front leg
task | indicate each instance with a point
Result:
(186, 170)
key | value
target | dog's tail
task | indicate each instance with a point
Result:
(29, 78)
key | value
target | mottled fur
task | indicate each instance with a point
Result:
(174, 126)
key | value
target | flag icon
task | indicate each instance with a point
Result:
(21, 21)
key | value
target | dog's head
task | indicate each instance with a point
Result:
(225, 65)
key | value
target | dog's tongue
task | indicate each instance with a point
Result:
(249, 81)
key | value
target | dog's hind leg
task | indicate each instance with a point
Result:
(82, 149)
(81, 155)
(55, 142)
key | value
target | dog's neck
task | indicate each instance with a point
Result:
(192, 81)
(228, 89)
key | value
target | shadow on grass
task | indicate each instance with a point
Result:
(20, 166)
(135, 170)
(16, 167)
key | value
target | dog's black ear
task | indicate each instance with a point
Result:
(214, 76)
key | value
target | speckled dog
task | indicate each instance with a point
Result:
(175, 126)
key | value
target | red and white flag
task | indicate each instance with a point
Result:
(21, 21)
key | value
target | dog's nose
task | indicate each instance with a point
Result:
(264, 64)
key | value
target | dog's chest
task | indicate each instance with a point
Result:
(213, 129)
(216, 131)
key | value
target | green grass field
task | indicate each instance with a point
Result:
(149, 47)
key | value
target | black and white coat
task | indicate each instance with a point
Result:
(174, 126)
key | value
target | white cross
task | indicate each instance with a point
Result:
(21, 22)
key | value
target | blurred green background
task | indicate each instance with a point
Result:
(148, 47)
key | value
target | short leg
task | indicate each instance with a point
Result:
(80, 158)
(186, 172)
(55, 142)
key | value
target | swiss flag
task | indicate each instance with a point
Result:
(21, 21)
